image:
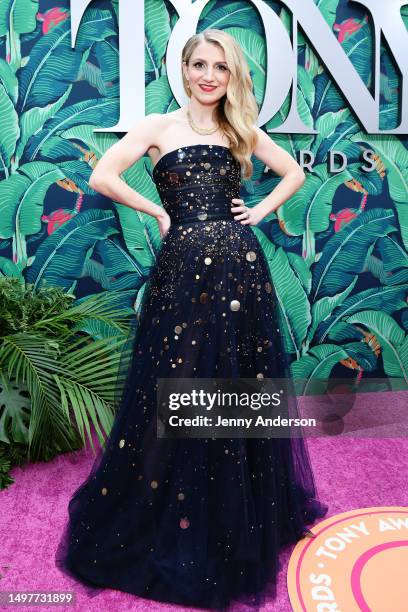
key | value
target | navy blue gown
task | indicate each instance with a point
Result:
(195, 522)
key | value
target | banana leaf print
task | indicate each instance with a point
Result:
(336, 249)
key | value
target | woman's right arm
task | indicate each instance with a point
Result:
(106, 175)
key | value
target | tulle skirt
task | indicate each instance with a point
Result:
(194, 521)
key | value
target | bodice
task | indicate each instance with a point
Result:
(197, 182)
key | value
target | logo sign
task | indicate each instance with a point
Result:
(281, 69)
(356, 561)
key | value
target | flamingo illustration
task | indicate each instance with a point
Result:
(61, 215)
(51, 18)
(346, 215)
(348, 27)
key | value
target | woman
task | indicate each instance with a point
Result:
(196, 521)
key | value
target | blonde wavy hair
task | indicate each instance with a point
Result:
(237, 111)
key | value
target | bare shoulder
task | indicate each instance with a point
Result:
(165, 129)
(274, 156)
(264, 142)
(147, 128)
(125, 152)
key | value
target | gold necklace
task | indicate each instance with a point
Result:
(198, 129)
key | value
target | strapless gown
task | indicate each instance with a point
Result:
(196, 522)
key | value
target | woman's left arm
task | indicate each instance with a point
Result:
(283, 164)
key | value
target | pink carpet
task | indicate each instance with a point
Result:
(350, 473)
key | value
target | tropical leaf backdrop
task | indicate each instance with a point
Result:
(337, 250)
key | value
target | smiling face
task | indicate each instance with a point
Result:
(207, 72)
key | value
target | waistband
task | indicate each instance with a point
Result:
(194, 216)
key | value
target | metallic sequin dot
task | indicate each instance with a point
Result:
(204, 298)
(154, 484)
(184, 523)
(202, 216)
(121, 444)
(259, 349)
(104, 491)
(197, 276)
(178, 329)
(250, 256)
(207, 261)
(235, 305)
(260, 375)
(173, 177)
(188, 173)
(268, 287)
(179, 360)
(207, 165)
(184, 203)
(193, 342)
(223, 171)
(180, 496)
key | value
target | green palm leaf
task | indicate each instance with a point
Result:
(345, 253)
(293, 302)
(60, 258)
(393, 340)
(395, 157)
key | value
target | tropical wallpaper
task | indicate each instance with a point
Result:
(337, 250)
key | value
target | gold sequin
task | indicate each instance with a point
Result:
(207, 261)
(180, 496)
(104, 491)
(204, 298)
(250, 256)
(121, 444)
(235, 305)
(154, 484)
(178, 329)
(207, 165)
